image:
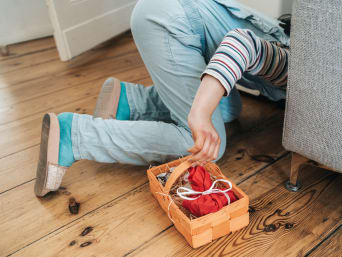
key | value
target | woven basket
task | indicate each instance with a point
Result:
(207, 228)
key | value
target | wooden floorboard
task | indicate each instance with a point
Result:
(128, 219)
(115, 200)
(18, 137)
(331, 247)
(281, 223)
(29, 48)
(77, 183)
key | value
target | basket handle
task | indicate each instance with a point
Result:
(178, 171)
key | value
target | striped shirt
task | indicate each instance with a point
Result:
(242, 51)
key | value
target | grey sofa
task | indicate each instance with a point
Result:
(313, 117)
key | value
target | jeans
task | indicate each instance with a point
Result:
(176, 39)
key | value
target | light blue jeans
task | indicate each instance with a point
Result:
(176, 39)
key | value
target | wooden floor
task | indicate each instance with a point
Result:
(116, 207)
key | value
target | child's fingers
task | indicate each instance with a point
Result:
(217, 149)
(211, 152)
(204, 155)
(199, 141)
(201, 155)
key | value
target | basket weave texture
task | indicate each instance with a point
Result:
(207, 228)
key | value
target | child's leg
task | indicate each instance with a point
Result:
(132, 142)
(145, 103)
(173, 52)
(129, 101)
(138, 102)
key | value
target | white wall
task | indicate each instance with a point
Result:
(22, 20)
(273, 8)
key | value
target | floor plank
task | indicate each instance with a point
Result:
(29, 48)
(24, 133)
(331, 247)
(65, 78)
(59, 98)
(16, 138)
(281, 224)
(92, 184)
(68, 75)
(115, 200)
(171, 243)
(16, 64)
(104, 55)
(129, 222)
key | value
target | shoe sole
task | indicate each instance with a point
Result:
(108, 100)
(49, 149)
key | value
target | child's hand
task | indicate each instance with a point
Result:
(206, 138)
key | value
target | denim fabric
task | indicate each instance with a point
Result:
(176, 40)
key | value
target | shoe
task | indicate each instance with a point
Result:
(108, 99)
(49, 173)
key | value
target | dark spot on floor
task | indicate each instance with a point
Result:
(289, 225)
(74, 206)
(251, 209)
(270, 228)
(86, 244)
(86, 231)
(77, 109)
(73, 242)
(325, 219)
(262, 158)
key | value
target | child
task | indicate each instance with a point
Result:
(139, 125)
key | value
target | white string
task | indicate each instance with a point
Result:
(168, 208)
(187, 191)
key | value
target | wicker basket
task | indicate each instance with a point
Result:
(207, 228)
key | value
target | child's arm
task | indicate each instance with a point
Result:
(207, 141)
(240, 51)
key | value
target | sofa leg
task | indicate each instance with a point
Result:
(293, 184)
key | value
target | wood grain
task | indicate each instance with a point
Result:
(44, 69)
(16, 138)
(249, 164)
(29, 48)
(68, 95)
(331, 247)
(281, 223)
(92, 184)
(118, 215)
(24, 133)
(66, 78)
(121, 225)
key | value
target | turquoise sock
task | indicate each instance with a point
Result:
(123, 112)
(66, 155)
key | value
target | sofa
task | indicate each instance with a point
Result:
(313, 115)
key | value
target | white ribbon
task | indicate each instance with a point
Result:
(168, 208)
(187, 191)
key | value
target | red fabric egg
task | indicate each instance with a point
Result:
(200, 181)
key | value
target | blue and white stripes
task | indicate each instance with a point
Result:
(242, 51)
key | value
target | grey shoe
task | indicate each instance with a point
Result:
(108, 99)
(49, 173)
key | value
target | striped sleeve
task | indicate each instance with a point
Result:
(242, 51)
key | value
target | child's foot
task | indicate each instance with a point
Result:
(112, 101)
(55, 152)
